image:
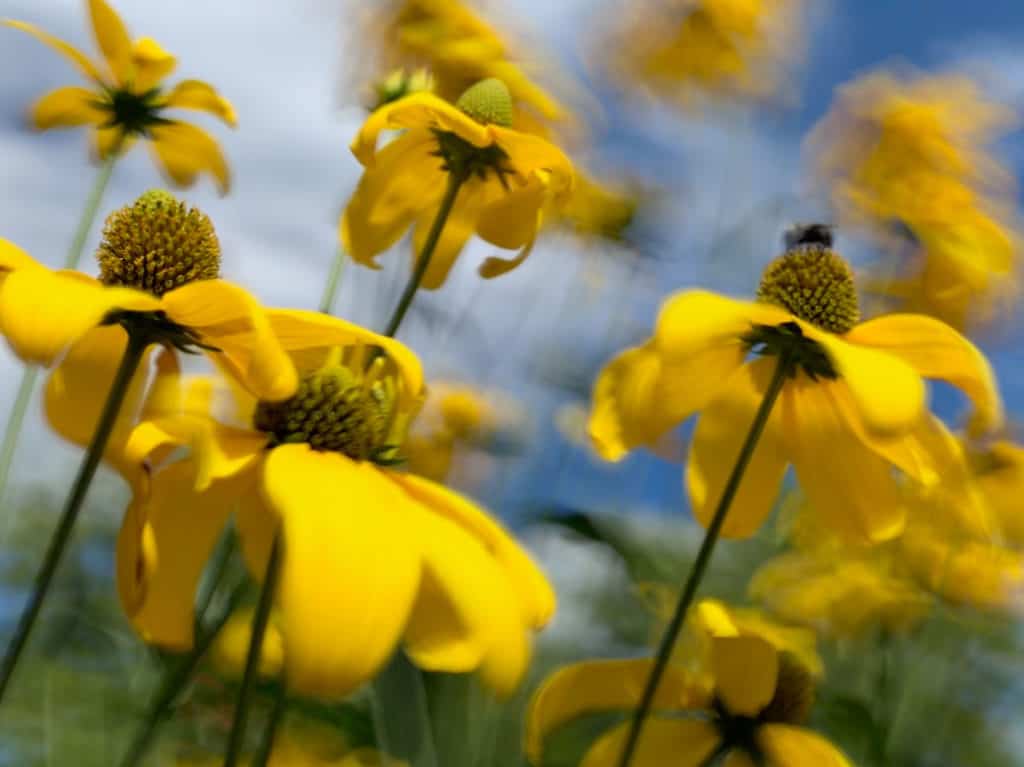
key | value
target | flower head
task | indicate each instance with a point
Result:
(507, 179)
(127, 100)
(372, 557)
(854, 409)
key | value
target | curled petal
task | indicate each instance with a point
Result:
(195, 94)
(151, 64)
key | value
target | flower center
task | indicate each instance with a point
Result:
(339, 407)
(157, 245)
(812, 281)
(488, 101)
(133, 112)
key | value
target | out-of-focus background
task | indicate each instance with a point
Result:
(716, 185)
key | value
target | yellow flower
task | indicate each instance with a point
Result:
(598, 209)
(999, 473)
(74, 322)
(855, 408)
(371, 557)
(127, 100)
(510, 178)
(231, 648)
(729, 47)
(759, 698)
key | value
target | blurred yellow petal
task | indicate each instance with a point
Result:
(231, 648)
(184, 151)
(151, 64)
(746, 669)
(230, 319)
(460, 226)
(196, 94)
(600, 686)
(791, 746)
(42, 313)
(722, 427)
(80, 60)
(533, 156)
(676, 742)
(935, 350)
(107, 141)
(12, 257)
(512, 222)
(351, 566)
(66, 108)
(112, 39)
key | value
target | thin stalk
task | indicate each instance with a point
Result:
(455, 180)
(176, 679)
(16, 418)
(266, 747)
(331, 288)
(137, 343)
(700, 564)
(252, 660)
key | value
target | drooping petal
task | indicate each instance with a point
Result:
(537, 598)
(722, 428)
(230, 319)
(108, 141)
(676, 742)
(935, 350)
(511, 222)
(184, 151)
(112, 39)
(746, 669)
(791, 746)
(351, 566)
(78, 58)
(601, 686)
(846, 482)
(889, 393)
(196, 94)
(67, 107)
(530, 155)
(42, 312)
(151, 64)
(458, 228)
(405, 179)
(421, 111)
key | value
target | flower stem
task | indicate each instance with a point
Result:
(331, 288)
(136, 347)
(266, 746)
(252, 660)
(16, 418)
(782, 370)
(455, 180)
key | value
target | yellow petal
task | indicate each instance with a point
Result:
(889, 393)
(184, 151)
(151, 64)
(676, 742)
(42, 313)
(458, 228)
(791, 746)
(112, 39)
(308, 338)
(600, 686)
(405, 179)
(182, 526)
(935, 350)
(66, 108)
(536, 596)
(847, 483)
(351, 566)
(230, 319)
(530, 155)
(746, 669)
(12, 257)
(696, 321)
(231, 648)
(108, 141)
(196, 94)
(77, 57)
(722, 427)
(421, 111)
(512, 221)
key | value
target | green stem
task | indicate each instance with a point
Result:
(252, 660)
(16, 418)
(266, 747)
(175, 680)
(331, 288)
(455, 180)
(137, 343)
(668, 641)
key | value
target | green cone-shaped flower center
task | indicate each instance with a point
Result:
(488, 101)
(336, 408)
(157, 245)
(814, 283)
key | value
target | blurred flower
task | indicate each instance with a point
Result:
(231, 648)
(854, 409)
(398, 84)
(371, 556)
(128, 100)
(754, 709)
(509, 178)
(907, 159)
(598, 209)
(998, 471)
(682, 48)
(159, 265)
